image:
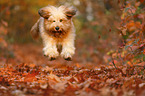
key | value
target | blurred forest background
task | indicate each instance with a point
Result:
(108, 31)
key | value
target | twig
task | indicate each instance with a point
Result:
(114, 63)
(118, 68)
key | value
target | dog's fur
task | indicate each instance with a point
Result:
(52, 17)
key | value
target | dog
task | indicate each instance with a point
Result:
(57, 31)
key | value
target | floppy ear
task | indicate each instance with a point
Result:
(44, 12)
(70, 11)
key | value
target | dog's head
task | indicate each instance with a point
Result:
(57, 20)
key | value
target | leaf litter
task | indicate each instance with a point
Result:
(28, 79)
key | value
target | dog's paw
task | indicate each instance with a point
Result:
(50, 53)
(52, 58)
(67, 54)
(68, 59)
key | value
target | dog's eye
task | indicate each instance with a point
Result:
(61, 20)
(54, 21)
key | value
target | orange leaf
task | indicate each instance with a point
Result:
(32, 65)
(129, 63)
(144, 51)
(31, 77)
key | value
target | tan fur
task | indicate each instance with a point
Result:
(52, 17)
(35, 30)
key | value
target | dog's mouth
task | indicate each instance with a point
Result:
(57, 31)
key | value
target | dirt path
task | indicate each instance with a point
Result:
(32, 54)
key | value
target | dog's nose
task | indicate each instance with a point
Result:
(57, 28)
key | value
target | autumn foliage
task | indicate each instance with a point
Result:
(30, 79)
(109, 58)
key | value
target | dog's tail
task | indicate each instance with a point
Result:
(35, 30)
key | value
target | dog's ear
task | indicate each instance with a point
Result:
(70, 12)
(44, 12)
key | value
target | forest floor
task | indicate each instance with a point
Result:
(29, 73)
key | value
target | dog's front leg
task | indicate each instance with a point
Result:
(50, 49)
(51, 52)
(68, 49)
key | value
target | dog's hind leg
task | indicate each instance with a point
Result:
(35, 30)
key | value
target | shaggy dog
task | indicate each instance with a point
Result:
(57, 31)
